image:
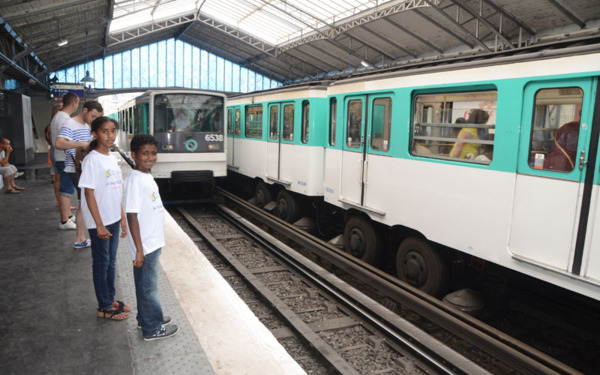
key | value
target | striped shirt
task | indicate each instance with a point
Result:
(75, 132)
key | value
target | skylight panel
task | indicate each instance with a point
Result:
(274, 21)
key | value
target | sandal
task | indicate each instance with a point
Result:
(122, 306)
(12, 191)
(113, 314)
(19, 188)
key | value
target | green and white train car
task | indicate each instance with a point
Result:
(189, 126)
(524, 192)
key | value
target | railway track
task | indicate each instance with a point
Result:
(342, 326)
(358, 312)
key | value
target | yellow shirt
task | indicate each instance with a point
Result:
(468, 148)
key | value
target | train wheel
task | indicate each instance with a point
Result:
(287, 207)
(419, 264)
(262, 194)
(360, 239)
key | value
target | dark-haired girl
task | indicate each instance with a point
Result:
(102, 184)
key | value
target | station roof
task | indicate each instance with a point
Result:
(285, 39)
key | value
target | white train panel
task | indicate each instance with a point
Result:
(591, 259)
(303, 167)
(298, 168)
(250, 157)
(544, 228)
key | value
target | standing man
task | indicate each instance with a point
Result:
(66, 189)
(74, 138)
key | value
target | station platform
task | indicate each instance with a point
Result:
(48, 320)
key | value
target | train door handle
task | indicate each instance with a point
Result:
(365, 171)
(582, 161)
(360, 168)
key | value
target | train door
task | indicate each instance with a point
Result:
(554, 180)
(379, 126)
(281, 130)
(353, 149)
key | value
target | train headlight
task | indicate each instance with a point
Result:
(214, 147)
(168, 147)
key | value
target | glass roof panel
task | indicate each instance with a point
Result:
(286, 19)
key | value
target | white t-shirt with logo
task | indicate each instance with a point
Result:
(101, 173)
(142, 198)
(56, 124)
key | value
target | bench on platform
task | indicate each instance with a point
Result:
(39, 163)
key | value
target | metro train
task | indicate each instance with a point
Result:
(492, 160)
(189, 127)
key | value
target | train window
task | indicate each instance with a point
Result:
(455, 126)
(332, 120)
(288, 122)
(137, 117)
(230, 121)
(254, 114)
(354, 122)
(555, 129)
(238, 118)
(274, 122)
(381, 124)
(305, 122)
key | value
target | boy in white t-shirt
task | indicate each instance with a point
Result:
(145, 217)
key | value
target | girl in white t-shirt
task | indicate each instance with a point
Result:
(102, 185)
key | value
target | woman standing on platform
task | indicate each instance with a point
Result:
(102, 183)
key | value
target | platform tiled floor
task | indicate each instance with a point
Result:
(48, 307)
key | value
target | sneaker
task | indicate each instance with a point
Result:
(19, 174)
(163, 333)
(72, 218)
(166, 321)
(81, 245)
(68, 225)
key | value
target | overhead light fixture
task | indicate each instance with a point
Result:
(366, 64)
(61, 43)
(88, 78)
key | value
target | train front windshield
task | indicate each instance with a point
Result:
(188, 113)
(188, 122)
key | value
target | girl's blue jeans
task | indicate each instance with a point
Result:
(150, 315)
(104, 255)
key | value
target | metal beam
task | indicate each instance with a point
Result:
(457, 24)
(567, 12)
(462, 5)
(344, 61)
(381, 11)
(306, 58)
(516, 20)
(390, 41)
(41, 7)
(414, 35)
(236, 33)
(444, 28)
(137, 32)
(111, 7)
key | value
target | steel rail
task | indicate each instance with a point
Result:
(424, 346)
(436, 355)
(510, 351)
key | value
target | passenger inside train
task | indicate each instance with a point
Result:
(469, 150)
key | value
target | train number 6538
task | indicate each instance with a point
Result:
(213, 138)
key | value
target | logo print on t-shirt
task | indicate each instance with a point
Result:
(153, 196)
(108, 173)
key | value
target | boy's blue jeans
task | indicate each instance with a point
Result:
(150, 315)
(104, 255)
